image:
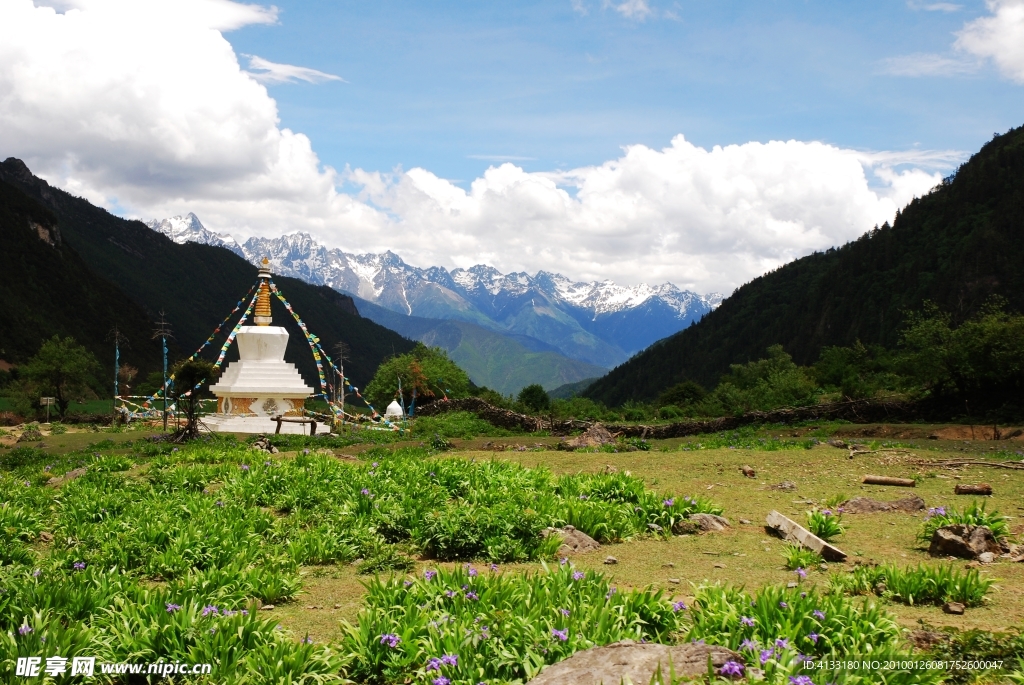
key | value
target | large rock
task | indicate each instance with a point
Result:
(614, 663)
(573, 541)
(966, 542)
(595, 436)
(865, 505)
(709, 523)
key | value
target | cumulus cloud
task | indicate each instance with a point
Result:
(144, 106)
(266, 71)
(631, 9)
(999, 37)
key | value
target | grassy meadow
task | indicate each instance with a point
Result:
(382, 558)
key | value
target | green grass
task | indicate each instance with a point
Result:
(920, 585)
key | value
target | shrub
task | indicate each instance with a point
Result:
(825, 524)
(800, 557)
(534, 397)
(921, 585)
(973, 515)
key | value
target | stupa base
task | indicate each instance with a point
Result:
(226, 423)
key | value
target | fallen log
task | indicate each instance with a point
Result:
(954, 463)
(979, 489)
(748, 471)
(888, 480)
(790, 530)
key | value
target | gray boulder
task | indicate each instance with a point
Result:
(573, 541)
(966, 542)
(709, 523)
(615, 663)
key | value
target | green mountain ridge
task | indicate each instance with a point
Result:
(196, 286)
(501, 361)
(958, 246)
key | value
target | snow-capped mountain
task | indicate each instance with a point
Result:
(598, 322)
(188, 229)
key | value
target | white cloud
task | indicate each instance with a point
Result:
(143, 105)
(934, 6)
(637, 10)
(272, 72)
(999, 37)
(580, 7)
(928, 64)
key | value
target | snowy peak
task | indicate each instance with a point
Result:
(599, 321)
(188, 229)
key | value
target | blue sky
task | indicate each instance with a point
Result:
(440, 85)
(700, 143)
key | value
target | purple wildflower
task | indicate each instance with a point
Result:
(441, 680)
(669, 502)
(213, 630)
(472, 596)
(826, 512)
(800, 680)
(36, 573)
(171, 608)
(783, 605)
(450, 659)
(584, 497)
(564, 612)
(79, 565)
(24, 630)
(494, 568)
(390, 639)
(679, 606)
(473, 572)
(219, 503)
(766, 654)
(429, 575)
(800, 572)
(266, 463)
(307, 640)
(244, 612)
(746, 620)
(562, 635)
(450, 593)
(305, 451)
(210, 609)
(375, 464)
(408, 583)
(364, 491)
(577, 575)
(28, 484)
(748, 644)
(813, 637)
(782, 643)
(731, 668)
(244, 467)
(820, 615)
(610, 592)
(434, 664)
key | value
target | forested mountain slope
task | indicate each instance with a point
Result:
(958, 246)
(197, 286)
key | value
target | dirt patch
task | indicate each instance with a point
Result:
(977, 433)
(865, 505)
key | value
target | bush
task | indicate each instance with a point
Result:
(973, 515)
(921, 585)
(427, 370)
(534, 397)
(800, 557)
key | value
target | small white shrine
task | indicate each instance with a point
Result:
(261, 385)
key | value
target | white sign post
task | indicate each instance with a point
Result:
(47, 402)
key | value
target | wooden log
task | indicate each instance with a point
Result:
(790, 530)
(887, 480)
(748, 471)
(979, 489)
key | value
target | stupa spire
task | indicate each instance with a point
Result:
(263, 317)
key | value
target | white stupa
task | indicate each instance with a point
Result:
(261, 384)
(394, 411)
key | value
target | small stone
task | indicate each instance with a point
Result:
(745, 522)
(654, 527)
(823, 567)
(311, 607)
(791, 585)
(986, 557)
(668, 565)
(337, 606)
(674, 581)
(611, 560)
(46, 537)
(719, 565)
(267, 607)
(953, 608)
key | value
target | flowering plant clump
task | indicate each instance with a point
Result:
(786, 632)
(825, 524)
(973, 515)
(519, 623)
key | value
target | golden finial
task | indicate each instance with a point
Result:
(263, 317)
